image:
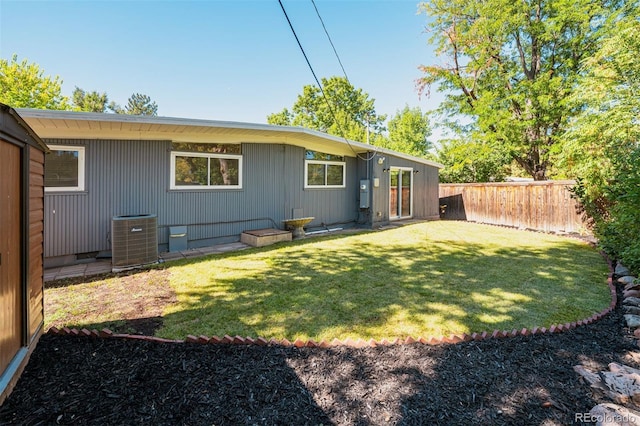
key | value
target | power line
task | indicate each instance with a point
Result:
(324, 95)
(329, 37)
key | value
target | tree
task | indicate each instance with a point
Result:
(24, 85)
(116, 108)
(351, 112)
(471, 161)
(90, 101)
(282, 118)
(602, 147)
(138, 104)
(511, 65)
(408, 132)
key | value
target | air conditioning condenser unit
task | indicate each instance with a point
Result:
(134, 241)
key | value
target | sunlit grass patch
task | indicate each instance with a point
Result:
(425, 279)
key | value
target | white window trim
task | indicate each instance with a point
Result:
(81, 161)
(174, 154)
(332, 163)
(403, 169)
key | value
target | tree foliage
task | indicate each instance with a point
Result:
(139, 104)
(602, 147)
(471, 161)
(510, 66)
(24, 85)
(349, 113)
(408, 132)
(89, 101)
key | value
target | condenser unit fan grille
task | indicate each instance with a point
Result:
(134, 241)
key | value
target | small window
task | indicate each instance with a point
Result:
(64, 169)
(324, 170)
(196, 170)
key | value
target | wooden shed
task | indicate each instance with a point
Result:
(21, 245)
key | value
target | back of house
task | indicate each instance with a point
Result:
(213, 180)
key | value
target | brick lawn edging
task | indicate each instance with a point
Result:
(359, 343)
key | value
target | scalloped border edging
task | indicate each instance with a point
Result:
(348, 342)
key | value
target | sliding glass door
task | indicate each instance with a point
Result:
(400, 193)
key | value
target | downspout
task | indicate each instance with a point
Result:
(371, 189)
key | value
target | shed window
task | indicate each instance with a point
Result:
(64, 169)
(199, 170)
(324, 170)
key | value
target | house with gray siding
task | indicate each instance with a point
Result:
(217, 178)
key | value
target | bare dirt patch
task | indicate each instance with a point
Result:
(125, 303)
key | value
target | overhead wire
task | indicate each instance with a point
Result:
(324, 95)
(330, 41)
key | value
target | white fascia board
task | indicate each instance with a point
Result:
(168, 125)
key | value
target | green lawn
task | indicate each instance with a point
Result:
(426, 279)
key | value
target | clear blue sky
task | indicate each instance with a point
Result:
(221, 59)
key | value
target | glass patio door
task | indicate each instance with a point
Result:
(400, 192)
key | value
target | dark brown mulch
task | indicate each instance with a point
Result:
(522, 380)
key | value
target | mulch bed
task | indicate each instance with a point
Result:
(520, 380)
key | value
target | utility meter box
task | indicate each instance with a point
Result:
(364, 193)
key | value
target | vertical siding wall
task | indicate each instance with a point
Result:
(544, 206)
(36, 226)
(425, 189)
(121, 178)
(132, 177)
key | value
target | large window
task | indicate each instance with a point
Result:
(324, 170)
(64, 169)
(206, 166)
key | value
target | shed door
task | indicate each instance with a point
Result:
(10, 275)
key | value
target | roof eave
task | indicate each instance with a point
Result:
(16, 115)
(265, 129)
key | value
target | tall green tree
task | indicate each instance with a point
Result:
(350, 112)
(138, 104)
(90, 101)
(408, 132)
(24, 85)
(607, 126)
(509, 65)
(602, 147)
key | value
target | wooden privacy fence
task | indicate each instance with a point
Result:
(542, 206)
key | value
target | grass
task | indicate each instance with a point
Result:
(426, 279)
